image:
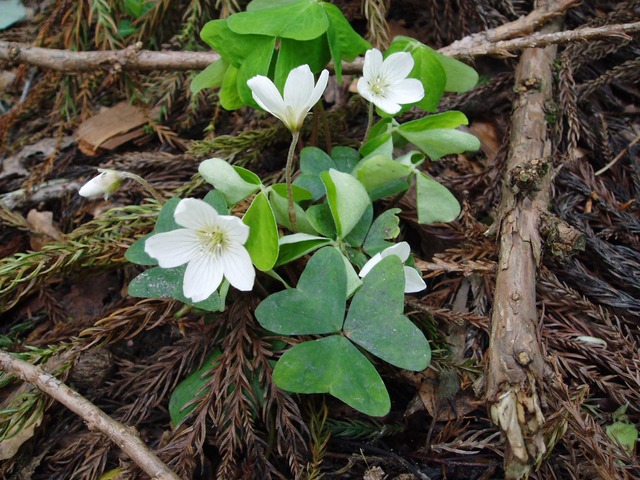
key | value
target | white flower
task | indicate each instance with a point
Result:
(210, 244)
(413, 280)
(104, 184)
(300, 95)
(385, 83)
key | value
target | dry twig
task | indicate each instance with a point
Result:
(515, 363)
(95, 418)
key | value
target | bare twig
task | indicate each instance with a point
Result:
(126, 438)
(132, 58)
(515, 361)
(539, 40)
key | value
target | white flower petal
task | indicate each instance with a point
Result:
(373, 261)
(174, 248)
(400, 249)
(386, 105)
(364, 89)
(104, 184)
(238, 268)
(319, 89)
(372, 63)
(235, 230)
(413, 281)
(409, 90)
(195, 214)
(297, 90)
(202, 277)
(266, 95)
(397, 66)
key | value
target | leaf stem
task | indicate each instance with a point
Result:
(147, 186)
(369, 123)
(288, 176)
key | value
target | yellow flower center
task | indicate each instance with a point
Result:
(212, 241)
(379, 86)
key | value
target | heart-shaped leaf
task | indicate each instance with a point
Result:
(333, 365)
(299, 20)
(297, 245)
(228, 180)
(347, 199)
(385, 227)
(160, 282)
(262, 243)
(435, 202)
(376, 323)
(318, 303)
(210, 77)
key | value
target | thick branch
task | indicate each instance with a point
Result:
(515, 362)
(123, 436)
(133, 58)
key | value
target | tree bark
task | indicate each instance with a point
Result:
(515, 363)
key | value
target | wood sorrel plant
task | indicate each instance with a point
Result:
(326, 213)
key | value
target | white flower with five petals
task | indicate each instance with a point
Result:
(385, 83)
(211, 245)
(300, 94)
(413, 280)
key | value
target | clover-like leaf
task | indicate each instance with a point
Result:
(385, 227)
(333, 365)
(376, 322)
(262, 243)
(297, 245)
(316, 305)
(435, 202)
(347, 199)
(234, 184)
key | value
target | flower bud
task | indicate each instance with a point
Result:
(104, 184)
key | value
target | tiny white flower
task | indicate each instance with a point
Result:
(300, 95)
(211, 245)
(385, 83)
(413, 280)
(104, 184)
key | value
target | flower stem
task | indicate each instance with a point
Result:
(369, 123)
(288, 174)
(147, 186)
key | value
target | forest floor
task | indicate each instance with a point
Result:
(63, 276)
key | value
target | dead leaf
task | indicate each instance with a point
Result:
(11, 444)
(111, 128)
(43, 230)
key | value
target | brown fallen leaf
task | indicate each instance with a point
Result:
(43, 230)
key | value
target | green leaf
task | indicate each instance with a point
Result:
(385, 227)
(229, 95)
(12, 12)
(165, 223)
(624, 433)
(434, 135)
(435, 202)
(376, 323)
(299, 194)
(353, 280)
(256, 63)
(345, 158)
(280, 205)
(300, 20)
(430, 72)
(344, 42)
(190, 389)
(359, 232)
(228, 180)
(460, 77)
(260, 4)
(382, 176)
(125, 27)
(314, 161)
(318, 303)
(321, 220)
(210, 77)
(262, 243)
(293, 53)
(167, 283)
(378, 145)
(333, 365)
(216, 199)
(298, 245)
(232, 47)
(347, 199)
(137, 8)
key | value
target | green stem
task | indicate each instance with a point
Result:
(147, 186)
(288, 175)
(369, 123)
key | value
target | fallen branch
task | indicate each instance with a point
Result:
(515, 361)
(133, 58)
(126, 438)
